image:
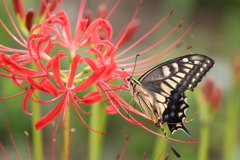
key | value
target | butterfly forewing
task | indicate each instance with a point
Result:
(180, 74)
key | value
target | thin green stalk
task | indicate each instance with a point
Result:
(205, 121)
(66, 134)
(37, 134)
(97, 122)
(204, 145)
(231, 124)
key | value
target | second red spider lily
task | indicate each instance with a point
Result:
(212, 94)
(92, 57)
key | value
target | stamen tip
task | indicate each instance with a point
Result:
(179, 45)
(127, 136)
(72, 130)
(180, 23)
(144, 155)
(26, 133)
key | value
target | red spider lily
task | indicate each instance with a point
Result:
(212, 93)
(90, 44)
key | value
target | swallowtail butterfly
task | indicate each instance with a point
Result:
(160, 92)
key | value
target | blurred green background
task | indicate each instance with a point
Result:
(216, 33)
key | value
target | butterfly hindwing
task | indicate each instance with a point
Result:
(174, 115)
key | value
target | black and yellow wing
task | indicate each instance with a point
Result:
(168, 83)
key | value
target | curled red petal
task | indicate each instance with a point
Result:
(50, 87)
(97, 52)
(25, 100)
(91, 63)
(111, 110)
(92, 97)
(36, 85)
(75, 62)
(15, 66)
(55, 63)
(94, 26)
(52, 114)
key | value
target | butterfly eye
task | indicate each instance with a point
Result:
(128, 78)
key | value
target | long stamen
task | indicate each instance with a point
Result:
(28, 145)
(4, 151)
(129, 26)
(113, 9)
(14, 95)
(144, 36)
(13, 142)
(79, 22)
(166, 49)
(124, 148)
(12, 35)
(158, 59)
(13, 23)
(53, 141)
(151, 47)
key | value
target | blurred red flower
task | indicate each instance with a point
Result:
(212, 93)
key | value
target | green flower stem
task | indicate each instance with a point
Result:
(205, 121)
(204, 145)
(66, 134)
(160, 148)
(231, 124)
(37, 134)
(97, 122)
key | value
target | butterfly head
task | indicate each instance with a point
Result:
(130, 82)
(129, 78)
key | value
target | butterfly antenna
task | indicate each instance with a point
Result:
(135, 64)
(165, 134)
